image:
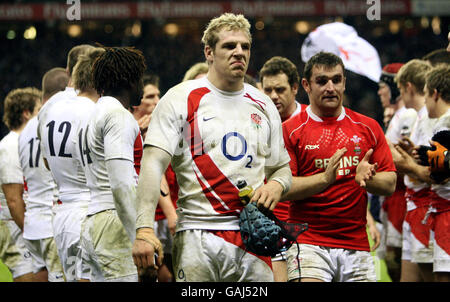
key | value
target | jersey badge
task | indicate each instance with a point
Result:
(356, 140)
(256, 120)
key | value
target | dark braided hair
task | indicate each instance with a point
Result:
(118, 69)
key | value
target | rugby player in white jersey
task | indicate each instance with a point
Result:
(417, 239)
(393, 208)
(19, 107)
(59, 127)
(108, 148)
(42, 194)
(215, 131)
(437, 101)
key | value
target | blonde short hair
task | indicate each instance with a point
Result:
(195, 70)
(228, 21)
(82, 72)
(414, 72)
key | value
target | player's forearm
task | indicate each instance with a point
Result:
(421, 173)
(153, 165)
(14, 199)
(123, 187)
(282, 175)
(306, 186)
(382, 184)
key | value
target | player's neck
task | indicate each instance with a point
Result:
(442, 108)
(225, 84)
(289, 111)
(90, 94)
(418, 102)
(123, 97)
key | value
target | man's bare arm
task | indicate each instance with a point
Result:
(154, 163)
(14, 199)
(305, 186)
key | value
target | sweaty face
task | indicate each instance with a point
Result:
(277, 87)
(325, 89)
(385, 94)
(231, 55)
(150, 98)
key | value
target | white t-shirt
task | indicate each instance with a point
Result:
(401, 124)
(216, 138)
(10, 170)
(111, 133)
(420, 135)
(42, 190)
(59, 132)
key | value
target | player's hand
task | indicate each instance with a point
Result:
(402, 160)
(144, 248)
(406, 144)
(144, 121)
(333, 165)
(365, 171)
(267, 196)
(172, 223)
(375, 235)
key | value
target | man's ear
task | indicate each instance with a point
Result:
(209, 53)
(435, 95)
(26, 114)
(295, 88)
(305, 85)
(409, 87)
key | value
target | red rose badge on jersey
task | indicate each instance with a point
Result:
(256, 120)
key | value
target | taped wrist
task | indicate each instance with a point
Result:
(148, 235)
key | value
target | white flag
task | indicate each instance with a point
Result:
(341, 39)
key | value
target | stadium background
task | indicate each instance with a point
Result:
(36, 36)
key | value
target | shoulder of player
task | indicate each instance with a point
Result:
(357, 117)
(181, 91)
(295, 124)
(110, 112)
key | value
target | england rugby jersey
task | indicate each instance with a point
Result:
(401, 124)
(10, 169)
(336, 216)
(59, 132)
(418, 192)
(216, 138)
(42, 190)
(111, 133)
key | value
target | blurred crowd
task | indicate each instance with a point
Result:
(23, 62)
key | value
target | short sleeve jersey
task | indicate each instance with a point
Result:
(418, 192)
(42, 189)
(336, 216)
(216, 138)
(10, 169)
(401, 124)
(111, 133)
(58, 130)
